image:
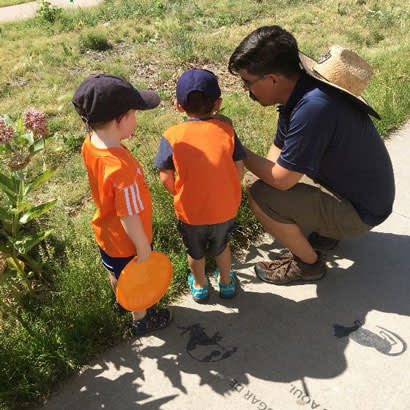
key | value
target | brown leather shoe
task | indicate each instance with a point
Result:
(289, 268)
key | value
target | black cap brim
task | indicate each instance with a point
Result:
(103, 97)
(146, 100)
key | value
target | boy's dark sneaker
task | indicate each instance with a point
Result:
(289, 268)
(153, 320)
(322, 242)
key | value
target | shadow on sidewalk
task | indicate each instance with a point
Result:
(266, 336)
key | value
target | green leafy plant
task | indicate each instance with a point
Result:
(19, 141)
(48, 12)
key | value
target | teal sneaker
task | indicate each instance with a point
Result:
(227, 291)
(200, 295)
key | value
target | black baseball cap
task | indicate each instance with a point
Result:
(103, 97)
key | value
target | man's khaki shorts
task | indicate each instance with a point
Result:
(308, 205)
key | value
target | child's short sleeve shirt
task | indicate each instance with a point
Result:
(119, 189)
(202, 153)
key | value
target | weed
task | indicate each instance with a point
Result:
(48, 12)
(354, 37)
(341, 9)
(73, 142)
(68, 51)
(182, 44)
(198, 11)
(383, 18)
(158, 8)
(374, 38)
(94, 40)
(19, 141)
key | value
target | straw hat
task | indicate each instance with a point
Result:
(343, 69)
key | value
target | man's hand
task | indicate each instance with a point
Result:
(270, 172)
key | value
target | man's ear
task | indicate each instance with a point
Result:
(178, 106)
(274, 77)
(217, 105)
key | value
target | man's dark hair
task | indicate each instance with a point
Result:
(198, 104)
(268, 49)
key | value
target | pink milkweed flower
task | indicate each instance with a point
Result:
(36, 121)
(6, 132)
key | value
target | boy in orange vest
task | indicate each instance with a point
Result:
(200, 162)
(123, 220)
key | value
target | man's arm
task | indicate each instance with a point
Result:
(273, 153)
(167, 178)
(133, 227)
(240, 169)
(270, 172)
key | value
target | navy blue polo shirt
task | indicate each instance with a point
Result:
(326, 136)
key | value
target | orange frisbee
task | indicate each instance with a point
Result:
(141, 285)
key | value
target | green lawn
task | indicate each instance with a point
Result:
(151, 42)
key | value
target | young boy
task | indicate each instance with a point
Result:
(200, 162)
(122, 223)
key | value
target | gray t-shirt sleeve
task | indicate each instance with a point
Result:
(164, 160)
(239, 151)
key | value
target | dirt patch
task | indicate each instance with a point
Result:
(157, 75)
(75, 209)
(150, 74)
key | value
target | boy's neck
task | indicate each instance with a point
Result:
(200, 116)
(104, 139)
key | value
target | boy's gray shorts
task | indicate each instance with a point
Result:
(206, 239)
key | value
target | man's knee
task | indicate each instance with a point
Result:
(260, 193)
(264, 200)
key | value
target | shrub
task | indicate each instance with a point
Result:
(95, 40)
(48, 12)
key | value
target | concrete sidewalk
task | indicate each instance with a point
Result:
(28, 10)
(339, 344)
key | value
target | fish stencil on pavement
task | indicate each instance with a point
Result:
(385, 341)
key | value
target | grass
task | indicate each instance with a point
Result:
(151, 42)
(5, 3)
(94, 40)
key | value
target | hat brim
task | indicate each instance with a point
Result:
(308, 64)
(146, 100)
